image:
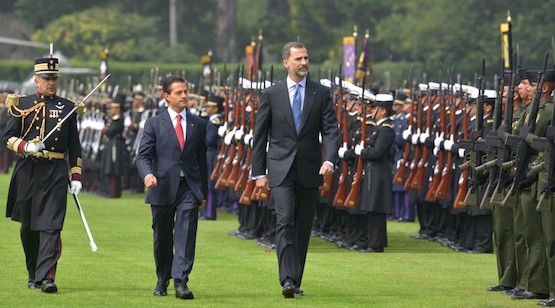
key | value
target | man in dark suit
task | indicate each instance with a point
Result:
(172, 164)
(292, 116)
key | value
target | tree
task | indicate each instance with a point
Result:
(225, 35)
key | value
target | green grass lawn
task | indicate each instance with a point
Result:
(232, 272)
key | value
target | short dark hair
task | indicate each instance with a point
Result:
(167, 83)
(286, 51)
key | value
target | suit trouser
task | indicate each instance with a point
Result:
(295, 206)
(175, 225)
(534, 277)
(504, 235)
(42, 252)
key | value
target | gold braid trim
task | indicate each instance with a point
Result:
(13, 143)
(75, 170)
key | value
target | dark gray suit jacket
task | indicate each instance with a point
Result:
(159, 154)
(274, 122)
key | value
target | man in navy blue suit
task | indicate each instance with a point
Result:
(289, 158)
(172, 164)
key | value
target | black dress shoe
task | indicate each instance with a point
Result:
(498, 288)
(161, 288)
(288, 290)
(529, 295)
(512, 291)
(182, 292)
(548, 302)
(48, 286)
(420, 236)
(31, 284)
(374, 249)
(299, 292)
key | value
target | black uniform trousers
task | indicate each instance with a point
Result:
(295, 206)
(175, 226)
(42, 252)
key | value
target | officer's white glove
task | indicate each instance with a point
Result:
(423, 137)
(248, 139)
(415, 138)
(461, 152)
(406, 133)
(341, 151)
(239, 134)
(222, 129)
(436, 151)
(448, 144)
(358, 149)
(33, 147)
(438, 140)
(75, 187)
(229, 137)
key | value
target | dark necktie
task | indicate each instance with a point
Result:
(297, 108)
(179, 132)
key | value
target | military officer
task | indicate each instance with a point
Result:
(114, 150)
(214, 111)
(37, 195)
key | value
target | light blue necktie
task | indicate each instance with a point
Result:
(297, 112)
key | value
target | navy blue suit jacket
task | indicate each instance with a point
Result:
(160, 155)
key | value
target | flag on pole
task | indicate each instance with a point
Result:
(506, 43)
(349, 58)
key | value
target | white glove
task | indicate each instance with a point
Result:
(34, 147)
(75, 187)
(222, 129)
(448, 144)
(358, 149)
(461, 153)
(436, 151)
(239, 134)
(438, 140)
(406, 133)
(415, 139)
(341, 151)
(229, 137)
(423, 137)
(248, 139)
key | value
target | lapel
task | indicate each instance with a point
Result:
(309, 95)
(190, 132)
(287, 104)
(167, 126)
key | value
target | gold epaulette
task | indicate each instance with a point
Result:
(12, 100)
(216, 121)
(116, 117)
(489, 121)
(371, 122)
(387, 125)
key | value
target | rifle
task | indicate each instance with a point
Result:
(458, 203)
(417, 147)
(438, 168)
(477, 144)
(418, 181)
(401, 173)
(352, 198)
(492, 143)
(221, 154)
(240, 147)
(340, 195)
(523, 149)
(245, 183)
(442, 191)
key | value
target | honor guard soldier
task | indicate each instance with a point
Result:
(114, 149)
(214, 109)
(37, 196)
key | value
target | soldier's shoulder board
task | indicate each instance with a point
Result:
(387, 125)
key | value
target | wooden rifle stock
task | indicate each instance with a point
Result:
(418, 181)
(442, 191)
(240, 147)
(417, 148)
(352, 198)
(220, 158)
(438, 169)
(222, 180)
(401, 173)
(245, 198)
(463, 181)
